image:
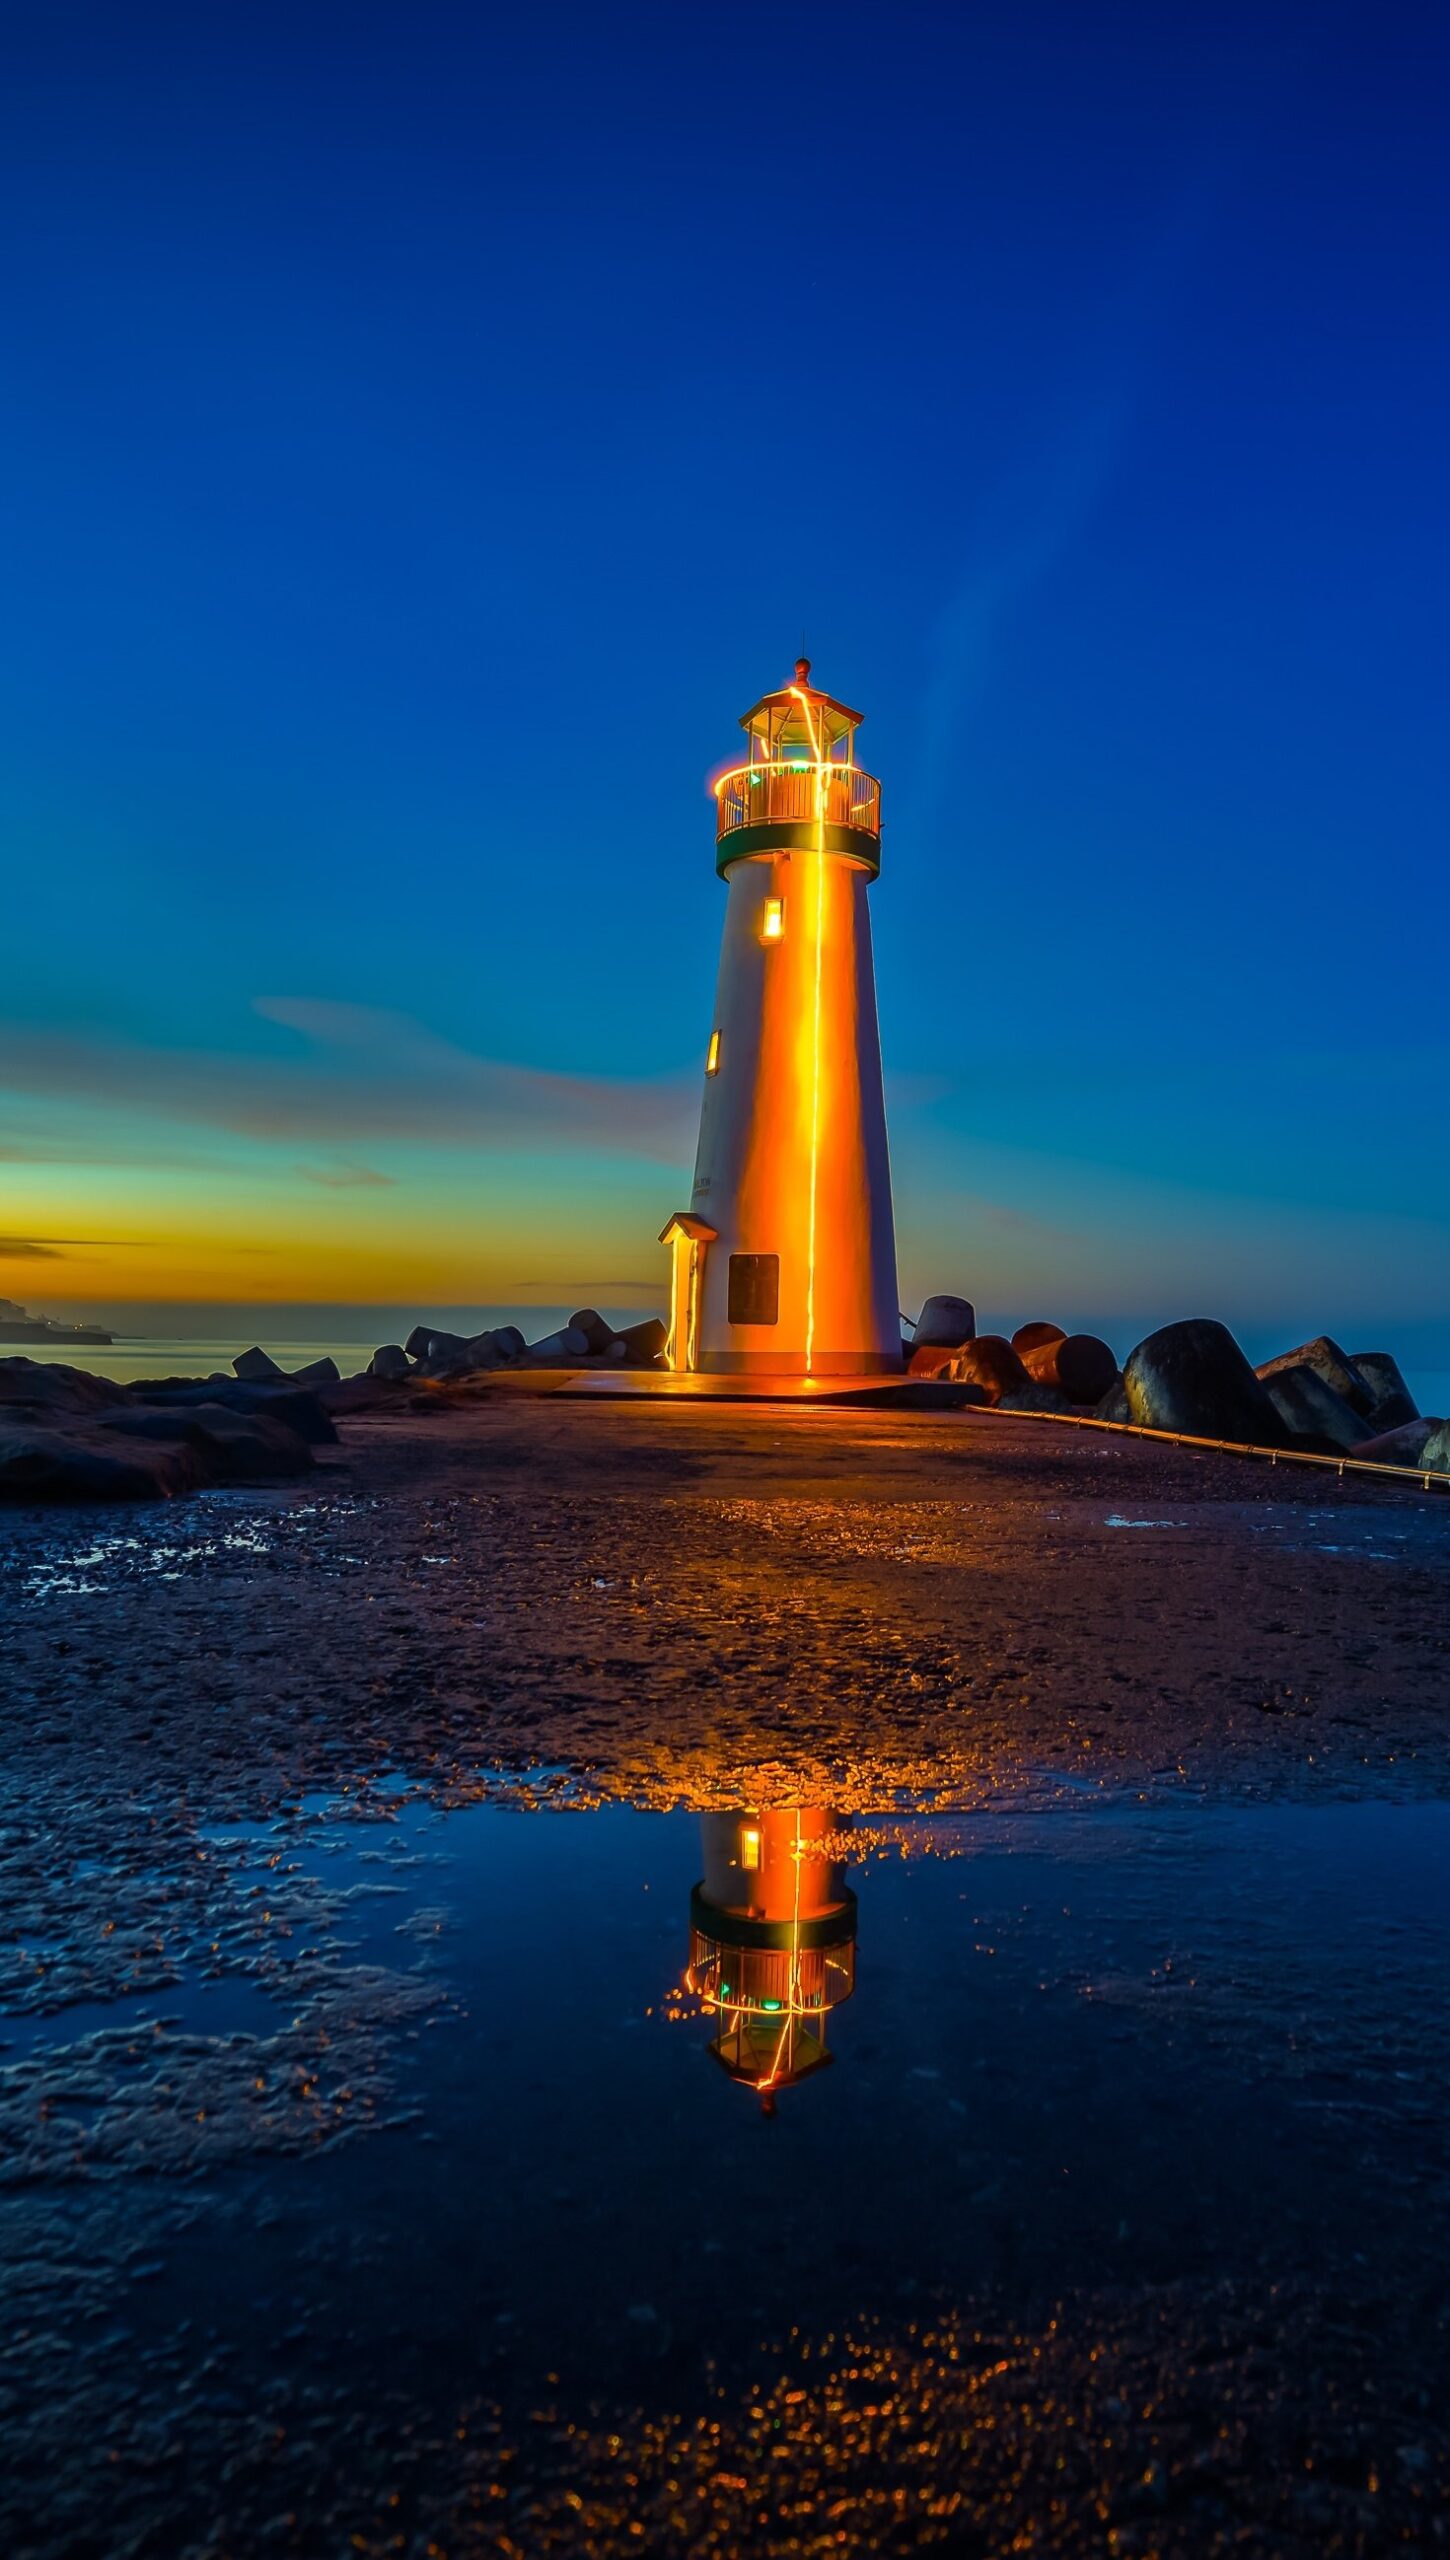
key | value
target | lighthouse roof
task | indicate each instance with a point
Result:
(777, 714)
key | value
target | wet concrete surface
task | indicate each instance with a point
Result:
(365, 2179)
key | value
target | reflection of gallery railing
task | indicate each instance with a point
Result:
(797, 794)
(765, 1980)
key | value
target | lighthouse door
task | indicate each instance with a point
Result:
(689, 1240)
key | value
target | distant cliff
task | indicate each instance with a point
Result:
(17, 1324)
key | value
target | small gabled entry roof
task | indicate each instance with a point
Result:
(683, 1224)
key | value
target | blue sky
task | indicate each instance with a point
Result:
(428, 429)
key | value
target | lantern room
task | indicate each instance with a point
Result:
(800, 782)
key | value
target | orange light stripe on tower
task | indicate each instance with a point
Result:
(821, 785)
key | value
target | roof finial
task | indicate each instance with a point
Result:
(803, 670)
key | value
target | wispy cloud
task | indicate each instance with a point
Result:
(356, 1075)
(347, 1177)
(28, 1249)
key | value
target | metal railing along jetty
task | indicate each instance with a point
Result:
(1430, 1479)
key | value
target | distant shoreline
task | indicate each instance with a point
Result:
(63, 1335)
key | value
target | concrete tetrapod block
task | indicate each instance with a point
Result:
(254, 1366)
(558, 1349)
(644, 1343)
(1393, 1402)
(1334, 1366)
(991, 1363)
(1029, 1337)
(1192, 1377)
(944, 1324)
(1309, 1407)
(597, 1334)
(1405, 1446)
(318, 1373)
(930, 1359)
(1079, 1365)
(389, 1360)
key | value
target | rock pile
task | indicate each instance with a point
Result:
(587, 1341)
(1191, 1378)
(68, 1437)
(1194, 1378)
(1043, 1369)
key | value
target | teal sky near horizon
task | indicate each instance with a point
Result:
(422, 446)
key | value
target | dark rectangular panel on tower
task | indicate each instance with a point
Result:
(754, 1288)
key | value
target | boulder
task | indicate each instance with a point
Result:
(1334, 1366)
(1114, 1407)
(297, 1407)
(944, 1324)
(255, 1365)
(597, 1334)
(49, 1386)
(1078, 1365)
(188, 1384)
(228, 1447)
(1309, 1406)
(1436, 1451)
(1030, 1337)
(1405, 1446)
(990, 1363)
(1192, 1377)
(50, 1466)
(644, 1343)
(318, 1373)
(390, 1360)
(1393, 1402)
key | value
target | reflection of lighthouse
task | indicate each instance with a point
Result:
(785, 1262)
(773, 1941)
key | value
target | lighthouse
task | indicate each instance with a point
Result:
(784, 1264)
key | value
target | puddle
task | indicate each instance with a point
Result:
(222, 1529)
(685, 2106)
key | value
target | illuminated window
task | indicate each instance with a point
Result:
(772, 922)
(712, 1055)
(749, 1846)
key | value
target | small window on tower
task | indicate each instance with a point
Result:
(749, 1845)
(772, 922)
(712, 1055)
(754, 1296)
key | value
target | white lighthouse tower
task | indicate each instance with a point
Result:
(785, 1262)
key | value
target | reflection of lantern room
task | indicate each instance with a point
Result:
(773, 1941)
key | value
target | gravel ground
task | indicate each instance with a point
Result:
(662, 1600)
